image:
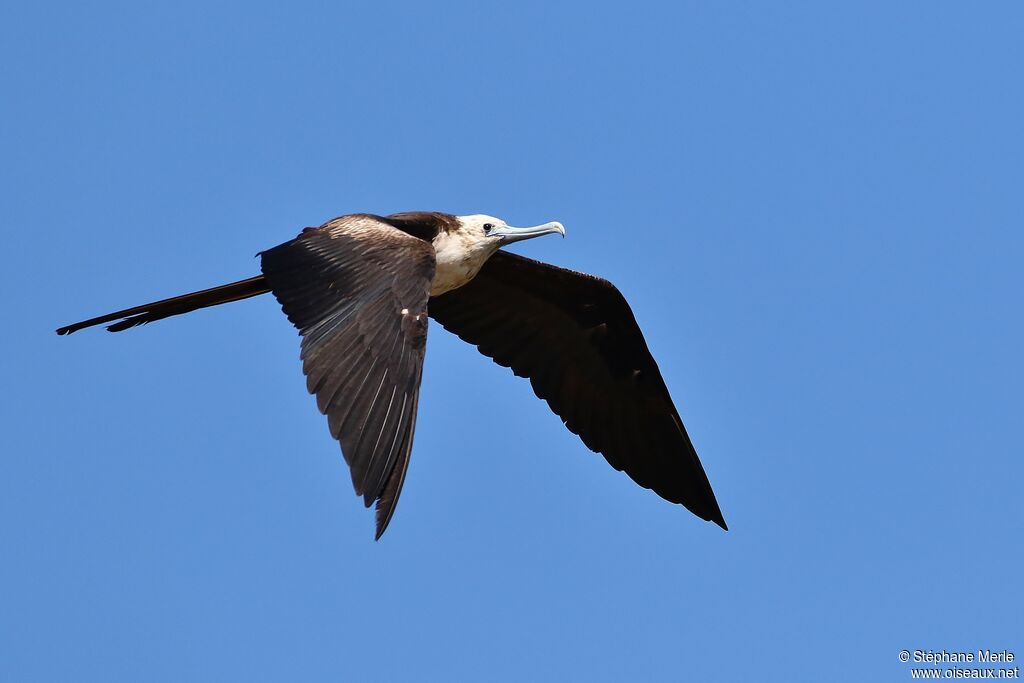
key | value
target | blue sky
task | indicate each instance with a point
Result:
(815, 211)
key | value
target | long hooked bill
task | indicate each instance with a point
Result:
(508, 234)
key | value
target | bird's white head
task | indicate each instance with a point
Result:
(461, 251)
(494, 232)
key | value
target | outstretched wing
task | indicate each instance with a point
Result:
(575, 337)
(357, 290)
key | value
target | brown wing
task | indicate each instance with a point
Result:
(357, 289)
(575, 337)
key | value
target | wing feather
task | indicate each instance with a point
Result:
(575, 338)
(357, 289)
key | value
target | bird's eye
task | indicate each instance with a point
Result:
(488, 227)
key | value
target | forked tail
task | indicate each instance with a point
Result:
(147, 313)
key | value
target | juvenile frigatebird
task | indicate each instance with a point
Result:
(360, 287)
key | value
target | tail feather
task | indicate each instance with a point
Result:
(147, 313)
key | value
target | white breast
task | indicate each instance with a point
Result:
(459, 258)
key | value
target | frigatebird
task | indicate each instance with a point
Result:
(359, 289)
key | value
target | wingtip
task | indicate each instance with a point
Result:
(383, 519)
(382, 526)
(716, 515)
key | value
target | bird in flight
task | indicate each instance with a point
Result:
(360, 288)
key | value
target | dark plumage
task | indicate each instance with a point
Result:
(359, 290)
(574, 336)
